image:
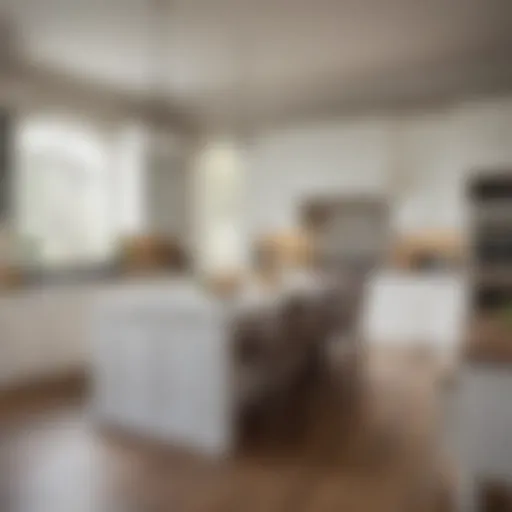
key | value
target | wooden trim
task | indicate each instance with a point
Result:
(42, 390)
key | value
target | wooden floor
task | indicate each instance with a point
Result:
(322, 452)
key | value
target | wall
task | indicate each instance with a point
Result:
(168, 188)
(442, 149)
(286, 167)
(418, 159)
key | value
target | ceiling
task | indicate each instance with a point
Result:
(220, 60)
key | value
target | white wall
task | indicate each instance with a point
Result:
(288, 166)
(168, 191)
(442, 148)
(418, 159)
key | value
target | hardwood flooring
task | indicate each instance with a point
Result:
(322, 452)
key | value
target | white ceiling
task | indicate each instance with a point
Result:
(271, 58)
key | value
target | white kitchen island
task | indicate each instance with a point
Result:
(164, 365)
(161, 364)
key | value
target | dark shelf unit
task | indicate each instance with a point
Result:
(6, 156)
(490, 196)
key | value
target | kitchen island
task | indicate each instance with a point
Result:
(166, 365)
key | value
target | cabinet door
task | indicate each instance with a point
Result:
(24, 337)
(194, 391)
(136, 375)
(122, 370)
(106, 341)
(67, 330)
(485, 421)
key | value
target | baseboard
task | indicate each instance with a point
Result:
(59, 386)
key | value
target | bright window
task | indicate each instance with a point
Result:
(74, 185)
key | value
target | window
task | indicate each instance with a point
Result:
(63, 193)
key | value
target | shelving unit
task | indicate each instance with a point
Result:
(490, 195)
